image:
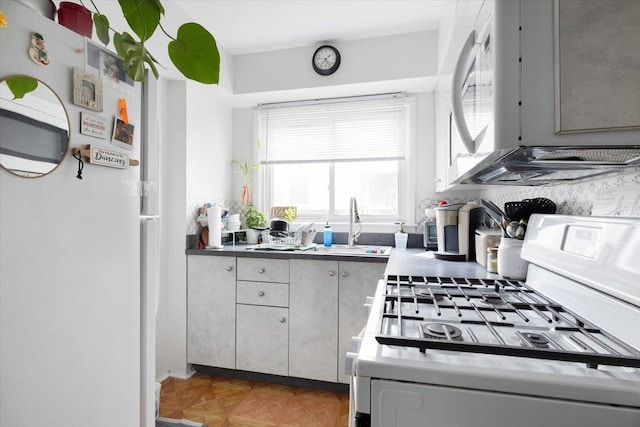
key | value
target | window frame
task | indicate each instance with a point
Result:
(406, 176)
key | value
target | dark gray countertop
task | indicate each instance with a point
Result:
(417, 262)
(241, 250)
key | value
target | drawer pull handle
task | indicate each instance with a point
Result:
(344, 274)
(261, 293)
(332, 273)
(282, 320)
(229, 268)
(261, 271)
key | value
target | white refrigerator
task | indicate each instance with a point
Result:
(76, 309)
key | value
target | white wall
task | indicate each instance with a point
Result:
(173, 187)
(209, 130)
(244, 149)
(69, 264)
(405, 56)
(425, 160)
(196, 166)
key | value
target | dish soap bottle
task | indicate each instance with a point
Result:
(327, 235)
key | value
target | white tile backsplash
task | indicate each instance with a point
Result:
(571, 199)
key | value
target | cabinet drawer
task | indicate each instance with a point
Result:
(263, 270)
(263, 293)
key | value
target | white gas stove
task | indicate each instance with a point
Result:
(561, 349)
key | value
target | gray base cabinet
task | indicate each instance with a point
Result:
(262, 323)
(211, 313)
(313, 330)
(358, 280)
(263, 339)
(284, 317)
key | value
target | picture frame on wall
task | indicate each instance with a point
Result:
(93, 125)
(122, 134)
(87, 90)
(109, 66)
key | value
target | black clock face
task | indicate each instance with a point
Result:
(326, 60)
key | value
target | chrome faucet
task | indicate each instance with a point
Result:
(354, 218)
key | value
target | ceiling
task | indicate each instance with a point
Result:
(249, 26)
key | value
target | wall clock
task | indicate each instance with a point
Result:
(325, 60)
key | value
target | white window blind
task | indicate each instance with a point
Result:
(340, 130)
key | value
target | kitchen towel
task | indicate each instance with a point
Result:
(215, 226)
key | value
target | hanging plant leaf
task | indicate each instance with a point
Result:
(20, 86)
(143, 16)
(135, 55)
(195, 54)
(101, 22)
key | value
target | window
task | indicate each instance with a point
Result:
(315, 156)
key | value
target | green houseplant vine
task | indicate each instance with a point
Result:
(193, 51)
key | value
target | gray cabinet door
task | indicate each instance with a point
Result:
(211, 313)
(313, 329)
(262, 339)
(358, 280)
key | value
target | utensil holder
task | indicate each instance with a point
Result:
(510, 263)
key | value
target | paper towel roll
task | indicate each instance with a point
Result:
(215, 225)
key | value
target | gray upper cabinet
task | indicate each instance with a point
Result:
(597, 45)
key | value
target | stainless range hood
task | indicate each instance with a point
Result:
(549, 165)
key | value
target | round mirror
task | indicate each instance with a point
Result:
(34, 127)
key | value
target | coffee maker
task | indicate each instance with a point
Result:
(456, 226)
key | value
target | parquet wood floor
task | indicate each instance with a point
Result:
(227, 402)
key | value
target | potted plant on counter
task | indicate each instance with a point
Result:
(253, 221)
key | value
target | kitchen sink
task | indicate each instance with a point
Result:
(355, 250)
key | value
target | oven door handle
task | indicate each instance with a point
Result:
(352, 354)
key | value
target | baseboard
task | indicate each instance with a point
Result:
(179, 422)
(275, 379)
(175, 374)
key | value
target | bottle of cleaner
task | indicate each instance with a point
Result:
(327, 235)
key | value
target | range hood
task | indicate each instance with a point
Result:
(533, 166)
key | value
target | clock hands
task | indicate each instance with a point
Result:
(326, 62)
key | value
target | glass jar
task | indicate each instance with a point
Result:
(492, 260)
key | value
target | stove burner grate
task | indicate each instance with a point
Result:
(516, 297)
(428, 297)
(537, 340)
(441, 331)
